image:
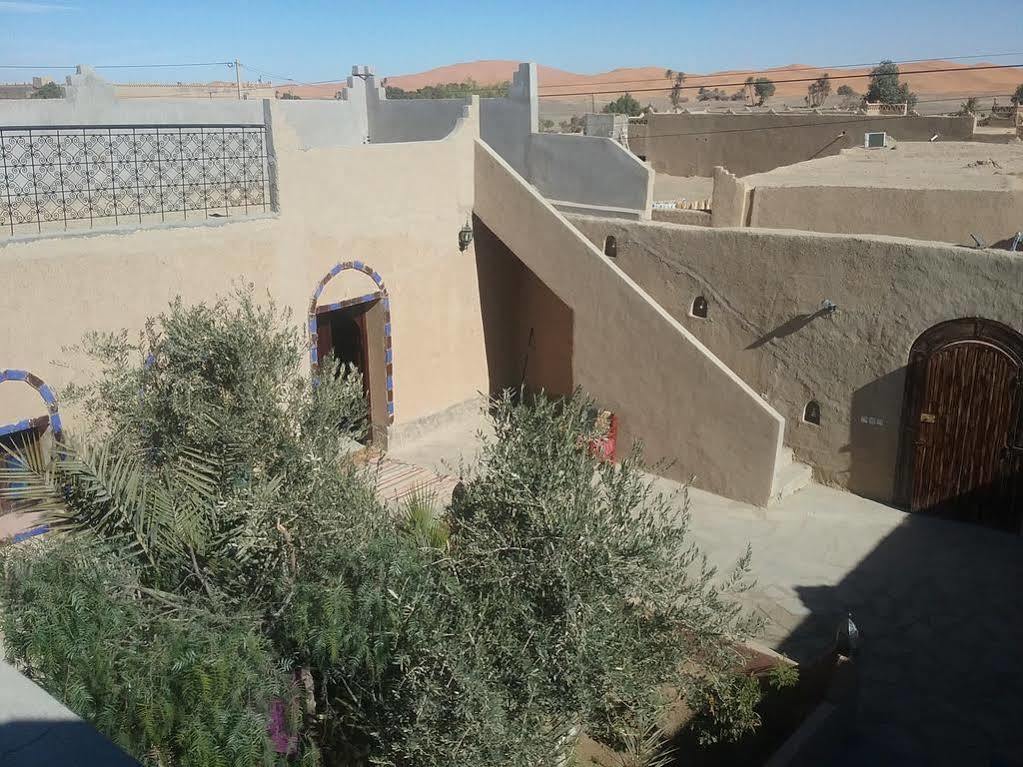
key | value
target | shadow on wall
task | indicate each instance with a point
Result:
(875, 415)
(938, 607)
(42, 743)
(527, 329)
(787, 328)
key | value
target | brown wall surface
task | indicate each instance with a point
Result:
(945, 215)
(396, 207)
(666, 388)
(692, 144)
(763, 289)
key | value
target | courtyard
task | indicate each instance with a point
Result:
(939, 619)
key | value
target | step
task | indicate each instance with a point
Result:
(790, 476)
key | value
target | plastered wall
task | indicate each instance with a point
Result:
(764, 290)
(396, 207)
(693, 144)
(668, 390)
(945, 215)
(582, 171)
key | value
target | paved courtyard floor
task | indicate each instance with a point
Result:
(939, 606)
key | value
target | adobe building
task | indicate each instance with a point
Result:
(450, 250)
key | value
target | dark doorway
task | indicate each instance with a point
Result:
(961, 454)
(355, 336)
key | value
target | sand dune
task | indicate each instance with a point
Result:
(648, 83)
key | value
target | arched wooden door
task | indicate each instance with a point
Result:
(962, 440)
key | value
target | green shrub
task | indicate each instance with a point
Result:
(222, 543)
(170, 682)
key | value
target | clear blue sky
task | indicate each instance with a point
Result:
(315, 39)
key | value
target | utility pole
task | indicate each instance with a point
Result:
(238, 77)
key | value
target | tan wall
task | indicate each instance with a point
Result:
(529, 329)
(763, 285)
(396, 207)
(945, 215)
(666, 388)
(693, 144)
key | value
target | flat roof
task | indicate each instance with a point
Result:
(909, 165)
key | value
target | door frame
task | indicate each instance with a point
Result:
(934, 339)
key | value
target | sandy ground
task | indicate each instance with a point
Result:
(689, 188)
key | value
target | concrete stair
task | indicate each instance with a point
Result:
(790, 476)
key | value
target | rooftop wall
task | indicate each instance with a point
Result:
(574, 171)
(692, 144)
(764, 290)
(944, 215)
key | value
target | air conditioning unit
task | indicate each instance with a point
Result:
(875, 140)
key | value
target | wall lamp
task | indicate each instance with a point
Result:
(465, 237)
(828, 307)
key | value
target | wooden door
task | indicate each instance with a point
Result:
(962, 456)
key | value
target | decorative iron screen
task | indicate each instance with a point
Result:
(78, 177)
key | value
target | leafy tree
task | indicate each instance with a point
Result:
(677, 81)
(289, 96)
(1017, 96)
(48, 91)
(760, 88)
(710, 94)
(885, 88)
(819, 90)
(229, 562)
(625, 105)
(450, 91)
(845, 90)
(969, 107)
(547, 126)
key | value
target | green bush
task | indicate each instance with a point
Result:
(172, 683)
(885, 87)
(219, 530)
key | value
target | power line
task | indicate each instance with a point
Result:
(944, 70)
(121, 66)
(769, 70)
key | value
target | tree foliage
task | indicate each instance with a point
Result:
(677, 80)
(463, 89)
(761, 88)
(624, 105)
(818, 91)
(49, 91)
(885, 87)
(969, 107)
(225, 563)
(1017, 96)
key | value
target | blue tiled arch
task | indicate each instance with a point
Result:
(45, 392)
(381, 293)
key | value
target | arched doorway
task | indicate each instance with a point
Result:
(356, 330)
(961, 453)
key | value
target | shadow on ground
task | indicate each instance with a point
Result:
(939, 605)
(42, 743)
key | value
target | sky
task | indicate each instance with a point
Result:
(314, 40)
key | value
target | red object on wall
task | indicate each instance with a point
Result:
(606, 448)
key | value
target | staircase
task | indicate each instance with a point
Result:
(790, 476)
(669, 391)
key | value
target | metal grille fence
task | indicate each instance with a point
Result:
(81, 176)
